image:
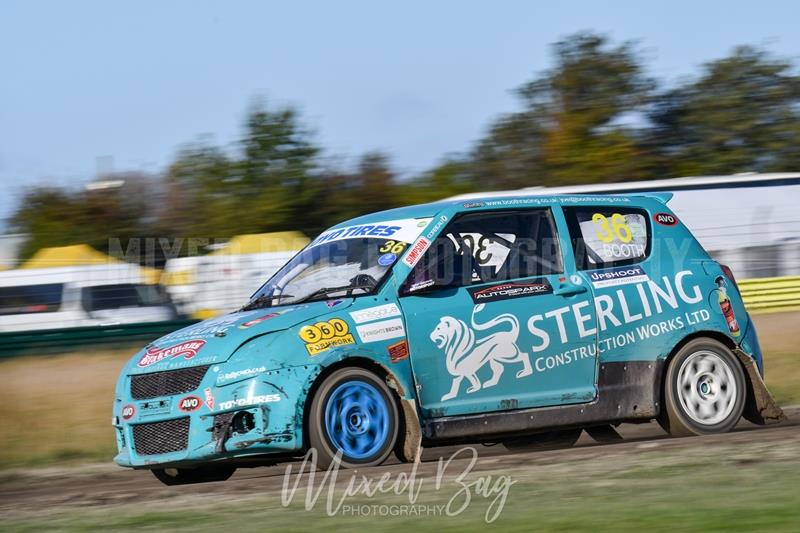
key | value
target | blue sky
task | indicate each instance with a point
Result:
(136, 80)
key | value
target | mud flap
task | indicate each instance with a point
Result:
(760, 407)
(603, 434)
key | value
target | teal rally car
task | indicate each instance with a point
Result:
(518, 320)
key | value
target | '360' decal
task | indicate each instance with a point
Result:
(323, 336)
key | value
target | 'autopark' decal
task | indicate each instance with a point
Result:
(511, 289)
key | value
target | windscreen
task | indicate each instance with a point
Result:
(348, 261)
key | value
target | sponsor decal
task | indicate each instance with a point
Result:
(405, 230)
(415, 252)
(550, 338)
(381, 331)
(251, 323)
(252, 400)
(418, 286)
(613, 277)
(436, 227)
(186, 349)
(387, 259)
(726, 307)
(510, 289)
(333, 303)
(375, 313)
(665, 219)
(323, 336)
(398, 351)
(466, 354)
(470, 205)
(128, 412)
(190, 403)
(209, 398)
(236, 374)
(576, 279)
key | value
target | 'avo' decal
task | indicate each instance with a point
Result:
(665, 219)
(189, 404)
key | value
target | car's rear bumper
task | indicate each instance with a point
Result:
(750, 345)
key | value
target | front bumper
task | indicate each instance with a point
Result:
(201, 425)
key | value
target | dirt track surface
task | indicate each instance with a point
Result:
(101, 486)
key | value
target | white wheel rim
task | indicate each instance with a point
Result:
(706, 388)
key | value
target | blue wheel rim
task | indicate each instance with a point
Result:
(357, 419)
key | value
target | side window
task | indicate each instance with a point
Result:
(605, 236)
(31, 299)
(489, 247)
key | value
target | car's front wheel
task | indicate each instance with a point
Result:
(704, 390)
(200, 474)
(353, 414)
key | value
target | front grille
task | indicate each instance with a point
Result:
(167, 383)
(161, 437)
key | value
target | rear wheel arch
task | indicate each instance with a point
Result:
(703, 334)
(670, 416)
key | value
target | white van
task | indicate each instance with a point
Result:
(65, 297)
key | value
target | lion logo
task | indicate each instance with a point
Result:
(464, 355)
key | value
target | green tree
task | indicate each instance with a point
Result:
(271, 184)
(576, 123)
(58, 217)
(741, 114)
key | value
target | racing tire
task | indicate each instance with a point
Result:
(353, 420)
(186, 476)
(704, 390)
(549, 440)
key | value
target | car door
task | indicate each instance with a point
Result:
(646, 301)
(493, 323)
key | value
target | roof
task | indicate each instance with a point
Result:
(80, 255)
(747, 179)
(398, 213)
(259, 243)
(74, 255)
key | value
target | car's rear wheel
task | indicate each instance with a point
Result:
(704, 390)
(353, 414)
(201, 474)
(549, 440)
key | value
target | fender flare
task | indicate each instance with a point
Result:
(409, 441)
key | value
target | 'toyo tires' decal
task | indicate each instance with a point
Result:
(190, 403)
(187, 349)
(665, 219)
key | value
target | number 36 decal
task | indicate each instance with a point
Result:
(617, 228)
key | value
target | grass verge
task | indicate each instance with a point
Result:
(703, 488)
(57, 409)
